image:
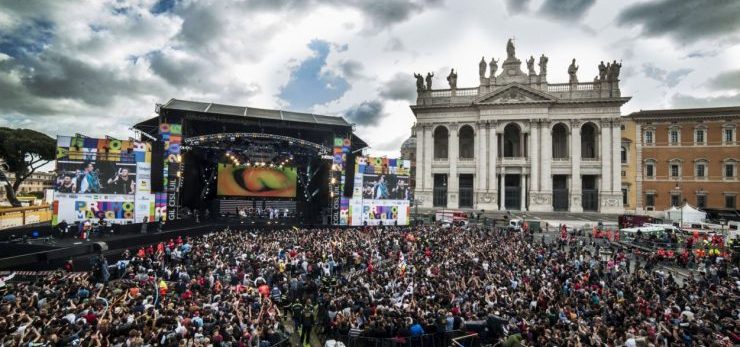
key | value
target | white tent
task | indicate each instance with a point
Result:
(685, 215)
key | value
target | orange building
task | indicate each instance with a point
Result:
(687, 155)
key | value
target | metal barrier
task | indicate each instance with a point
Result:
(466, 340)
(450, 338)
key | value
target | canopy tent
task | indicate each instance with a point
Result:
(685, 215)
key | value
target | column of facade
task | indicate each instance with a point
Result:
(616, 158)
(606, 159)
(481, 160)
(502, 189)
(453, 187)
(428, 157)
(575, 203)
(546, 160)
(534, 158)
(419, 179)
(523, 182)
(493, 156)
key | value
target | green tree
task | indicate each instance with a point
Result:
(23, 151)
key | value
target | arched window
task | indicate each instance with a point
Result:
(624, 155)
(560, 141)
(441, 139)
(512, 141)
(466, 137)
(588, 141)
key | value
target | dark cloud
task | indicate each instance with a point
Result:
(516, 6)
(566, 9)
(684, 21)
(59, 76)
(668, 78)
(729, 80)
(175, 72)
(366, 113)
(703, 53)
(351, 68)
(401, 87)
(687, 101)
(394, 45)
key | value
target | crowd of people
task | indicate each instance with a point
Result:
(257, 288)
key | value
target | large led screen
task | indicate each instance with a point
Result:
(256, 181)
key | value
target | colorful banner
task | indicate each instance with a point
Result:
(80, 207)
(377, 212)
(342, 147)
(171, 136)
(99, 177)
(381, 193)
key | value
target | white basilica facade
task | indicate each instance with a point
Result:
(517, 142)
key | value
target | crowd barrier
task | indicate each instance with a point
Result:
(451, 338)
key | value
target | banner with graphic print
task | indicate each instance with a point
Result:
(171, 136)
(99, 177)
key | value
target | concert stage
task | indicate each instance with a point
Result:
(222, 160)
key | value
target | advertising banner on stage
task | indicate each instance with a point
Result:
(341, 149)
(260, 181)
(80, 207)
(100, 177)
(381, 192)
(171, 136)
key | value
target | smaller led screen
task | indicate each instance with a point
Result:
(256, 181)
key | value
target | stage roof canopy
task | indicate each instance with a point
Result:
(245, 112)
(278, 115)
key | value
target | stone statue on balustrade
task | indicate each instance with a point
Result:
(419, 82)
(543, 65)
(510, 51)
(482, 68)
(452, 79)
(602, 71)
(494, 67)
(612, 73)
(572, 70)
(429, 80)
(530, 66)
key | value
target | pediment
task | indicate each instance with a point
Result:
(515, 94)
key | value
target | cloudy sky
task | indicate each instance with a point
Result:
(97, 67)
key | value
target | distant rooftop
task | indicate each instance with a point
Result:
(677, 112)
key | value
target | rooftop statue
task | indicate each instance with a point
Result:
(429, 80)
(419, 82)
(543, 65)
(494, 67)
(510, 51)
(482, 67)
(530, 66)
(452, 79)
(602, 71)
(572, 70)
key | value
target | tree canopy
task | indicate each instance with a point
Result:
(24, 151)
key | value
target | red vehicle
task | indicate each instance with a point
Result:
(634, 221)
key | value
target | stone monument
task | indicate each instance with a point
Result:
(512, 67)
(452, 79)
(572, 70)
